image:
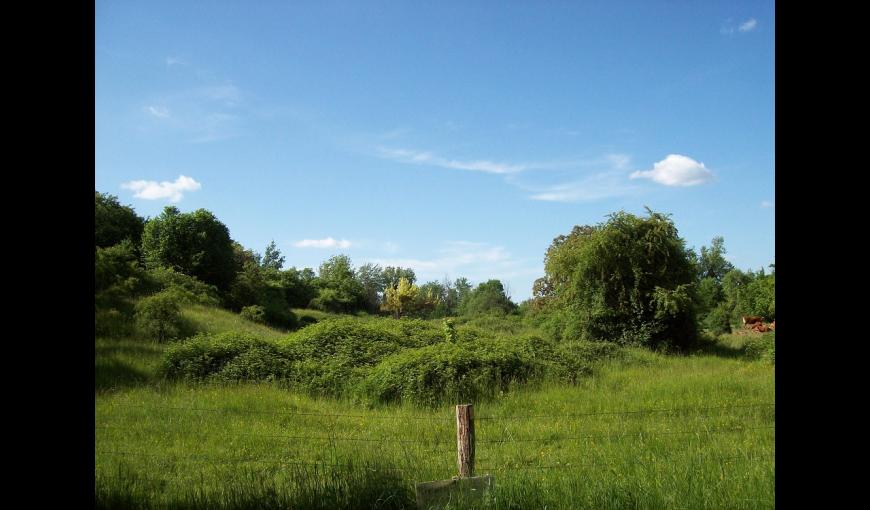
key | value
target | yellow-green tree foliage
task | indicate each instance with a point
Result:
(401, 298)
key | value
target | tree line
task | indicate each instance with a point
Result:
(629, 279)
(131, 251)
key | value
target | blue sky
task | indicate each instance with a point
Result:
(456, 138)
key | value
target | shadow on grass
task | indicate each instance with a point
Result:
(715, 348)
(110, 374)
(295, 486)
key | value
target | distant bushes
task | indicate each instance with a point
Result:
(762, 348)
(254, 313)
(159, 315)
(186, 287)
(718, 321)
(384, 360)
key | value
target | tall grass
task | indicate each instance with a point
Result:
(239, 446)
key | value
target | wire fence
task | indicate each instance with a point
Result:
(432, 444)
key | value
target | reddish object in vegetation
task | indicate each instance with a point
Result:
(751, 319)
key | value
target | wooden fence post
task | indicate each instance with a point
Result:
(465, 439)
(466, 488)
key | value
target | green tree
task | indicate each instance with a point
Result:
(371, 277)
(194, 243)
(488, 298)
(340, 291)
(114, 222)
(709, 295)
(392, 275)
(116, 266)
(159, 315)
(429, 298)
(272, 259)
(462, 289)
(712, 263)
(300, 286)
(629, 279)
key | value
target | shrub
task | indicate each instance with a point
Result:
(762, 348)
(254, 313)
(159, 315)
(205, 355)
(718, 321)
(385, 360)
(276, 311)
(455, 372)
(187, 288)
(449, 331)
(360, 342)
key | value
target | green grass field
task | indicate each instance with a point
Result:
(705, 438)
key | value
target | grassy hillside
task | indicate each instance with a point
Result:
(134, 361)
(705, 438)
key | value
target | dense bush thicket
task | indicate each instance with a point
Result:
(382, 360)
(628, 280)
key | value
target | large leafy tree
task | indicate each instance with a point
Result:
(488, 298)
(392, 275)
(340, 291)
(300, 286)
(195, 243)
(629, 279)
(114, 222)
(371, 277)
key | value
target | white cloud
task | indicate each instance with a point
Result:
(171, 61)
(428, 158)
(152, 190)
(158, 111)
(322, 243)
(676, 170)
(766, 203)
(748, 25)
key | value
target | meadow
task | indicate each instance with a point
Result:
(635, 428)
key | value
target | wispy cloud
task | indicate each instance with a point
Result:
(203, 114)
(766, 203)
(594, 187)
(676, 170)
(576, 180)
(729, 28)
(158, 111)
(153, 190)
(477, 261)
(584, 181)
(429, 158)
(329, 242)
(748, 25)
(213, 110)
